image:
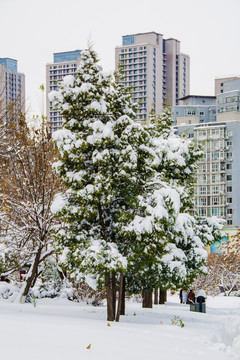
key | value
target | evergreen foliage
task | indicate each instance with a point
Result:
(129, 186)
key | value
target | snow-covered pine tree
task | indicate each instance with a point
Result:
(94, 165)
(191, 234)
(184, 254)
(106, 162)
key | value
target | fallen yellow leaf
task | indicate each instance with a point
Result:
(88, 347)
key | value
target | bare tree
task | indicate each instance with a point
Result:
(27, 186)
(223, 269)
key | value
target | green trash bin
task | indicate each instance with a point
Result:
(198, 307)
(192, 307)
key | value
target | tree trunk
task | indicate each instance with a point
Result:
(123, 297)
(162, 296)
(165, 296)
(147, 299)
(156, 296)
(110, 305)
(120, 297)
(114, 291)
(36, 277)
(32, 273)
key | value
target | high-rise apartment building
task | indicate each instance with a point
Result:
(64, 63)
(156, 70)
(216, 127)
(12, 85)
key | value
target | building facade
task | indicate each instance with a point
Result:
(195, 109)
(64, 63)
(221, 82)
(217, 192)
(155, 69)
(12, 86)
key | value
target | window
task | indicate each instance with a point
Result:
(215, 190)
(215, 200)
(215, 167)
(215, 211)
(128, 40)
(229, 133)
(229, 222)
(229, 155)
(202, 190)
(229, 188)
(229, 166)
(229, 211)
(202, 179)
(229, 200)
(202, 134)
(202, 212)
(215, 133)
(202, 201)
(215, 178)
(190, 112)
(229, 177)
(202, 168)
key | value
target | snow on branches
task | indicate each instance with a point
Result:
(130, 185)
(27, 187)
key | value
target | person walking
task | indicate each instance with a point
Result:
(201, 298)
(184, 296)
(191, 297)
(180, 296)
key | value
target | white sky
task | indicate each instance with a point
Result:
(32, 30)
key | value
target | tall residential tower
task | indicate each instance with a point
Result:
(12, 85)
(64, 63)
(156, 70)
(214, 123)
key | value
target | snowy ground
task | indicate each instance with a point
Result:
(59, 329)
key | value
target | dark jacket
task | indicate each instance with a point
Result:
(191, 297)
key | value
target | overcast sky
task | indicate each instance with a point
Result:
(32, 30)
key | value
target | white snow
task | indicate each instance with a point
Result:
(68, 80)
(59, 202)
(55, 96)
(60, 329)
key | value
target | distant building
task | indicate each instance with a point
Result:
(220, 83)
(194, 109)
(156, 70)
(12, 85)
(217, 129)
(64, 63)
